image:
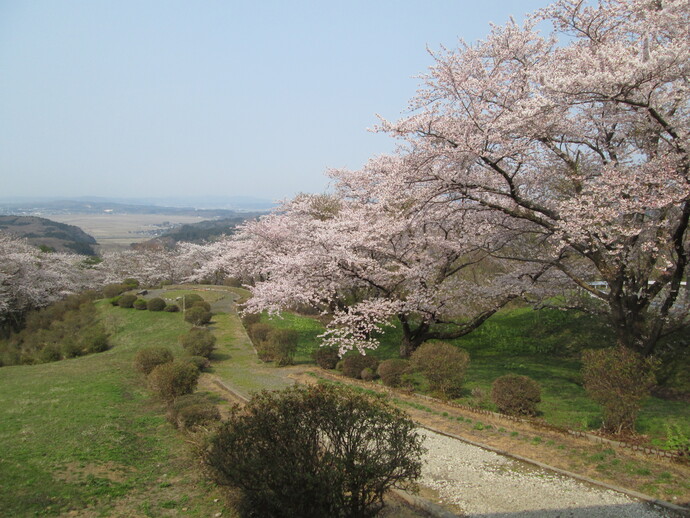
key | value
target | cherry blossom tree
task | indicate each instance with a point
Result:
(364, 257)
(150, 264)
(31, 279)
(577, 143)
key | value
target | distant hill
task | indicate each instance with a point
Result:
(204, 230)
(51, 235)
(210, 207)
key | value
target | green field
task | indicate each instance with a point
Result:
(84, 434)
(543, 345)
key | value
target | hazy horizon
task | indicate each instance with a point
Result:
(169, 99)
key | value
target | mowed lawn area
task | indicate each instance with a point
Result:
(85, 435)
(544, 345)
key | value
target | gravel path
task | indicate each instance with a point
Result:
(484, 484)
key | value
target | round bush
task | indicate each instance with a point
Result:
(248, 319)
(283, 345)
(174, 379)
(264, 352)
(259, 332)
(149, 358)
(516, 395)
(172, 308)
(326, 357)
(197, 316)
(127, 301)
(131, 283)
(443, 365)
(189, 299)
(367, 374)
(619, 379)
(200, 362)
(201, 304)
(392, 371)
(190, 417)
(113, 290)
(198, 342)
(355, 363)
(139, 304)
(183, 401)
(319, 451)
(155, 304)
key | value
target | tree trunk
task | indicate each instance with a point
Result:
(412, 337)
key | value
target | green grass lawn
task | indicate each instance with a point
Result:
(243, 370)
(543, 345)
(85, 434)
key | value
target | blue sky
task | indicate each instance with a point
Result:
(237, 98)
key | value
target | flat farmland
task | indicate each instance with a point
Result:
(113, 231)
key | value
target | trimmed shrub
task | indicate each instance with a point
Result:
(197, 316)
(189, 299)
(619, 379)
(326, 357)
(392, 371)
(191, 417)
(113, 290)
(127, 301)
(259, 332)
(149, 358)
(174, 407)
(192, 411)
(249, 319)
(140, 304)
(172, 308)
(200, 362)
(269, 449)
(283, 345)
(201, 304)
(516, 395)
(264, 352)
(355, 363)
(443, 365)
(198, 342)
(367, 374)
(131, 283)
(173, 379)
(155, 304)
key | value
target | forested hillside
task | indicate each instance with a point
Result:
(50, 235)
(205, 230)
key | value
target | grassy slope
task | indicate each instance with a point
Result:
(244, 371)
(541, 344)
(85, 434)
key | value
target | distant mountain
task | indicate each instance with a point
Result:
(48, 234)
(211, 206)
